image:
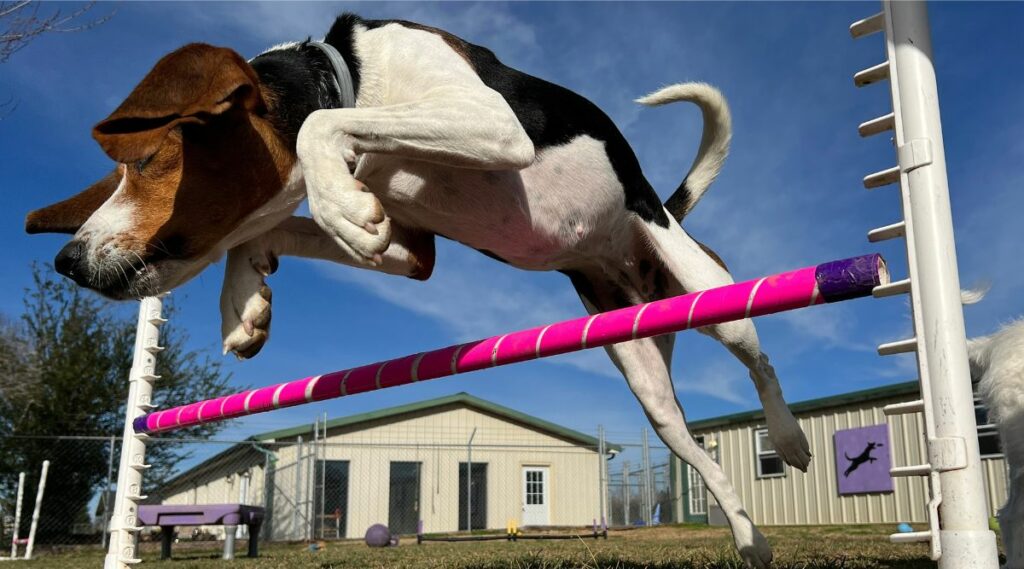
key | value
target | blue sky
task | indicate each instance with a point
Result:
(789, 196)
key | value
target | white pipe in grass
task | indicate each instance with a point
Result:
(17, 515)
(35, 512)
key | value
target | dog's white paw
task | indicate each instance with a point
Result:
(245, 302)
(354, 218)
(788, 438)
(751, 545)
(341, 205)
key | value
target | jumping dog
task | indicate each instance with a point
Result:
(436, 138)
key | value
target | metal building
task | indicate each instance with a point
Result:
(842, 430)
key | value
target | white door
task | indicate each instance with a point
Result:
(536, 480)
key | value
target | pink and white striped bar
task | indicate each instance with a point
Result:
(829, 282)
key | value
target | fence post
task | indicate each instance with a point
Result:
(469, 482)
(17, 514)
(314, 464)
(310, 486)
(298, 487)
(600, 471)
(645, 472)
(626, 492)
(322, 511)
(121, 549)
(269, 466)
(106, 492)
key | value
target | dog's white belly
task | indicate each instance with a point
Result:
(566, 207)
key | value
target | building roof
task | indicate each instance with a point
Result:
(461, 398)
(832, 401)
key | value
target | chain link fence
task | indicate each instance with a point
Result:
(642, 492)
(329, 482)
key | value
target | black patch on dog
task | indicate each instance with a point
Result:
(585, 288)
(679, 202)
(301, 81)
(551, 115)
(660, 284)
(644, 267)
(342, 38)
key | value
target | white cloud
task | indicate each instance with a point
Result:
(475, 297)
(716, 379)
(831, 327)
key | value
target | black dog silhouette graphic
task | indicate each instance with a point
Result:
(861, 458)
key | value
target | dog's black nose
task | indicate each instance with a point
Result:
(68, 261)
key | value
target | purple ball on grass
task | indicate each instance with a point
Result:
(378, 535)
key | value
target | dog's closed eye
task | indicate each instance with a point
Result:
(141, 164)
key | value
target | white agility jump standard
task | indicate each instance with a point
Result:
(829, 282)
(958, 533)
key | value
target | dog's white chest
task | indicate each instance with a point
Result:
(539, 218)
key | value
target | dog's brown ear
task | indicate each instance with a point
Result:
(67, 216)
(190, 85)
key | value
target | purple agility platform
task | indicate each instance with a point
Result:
(828, 282)
(228, 515)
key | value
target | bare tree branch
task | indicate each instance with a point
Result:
(21, 21)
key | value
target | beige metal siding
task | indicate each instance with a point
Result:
(437, 439)
(812, 498)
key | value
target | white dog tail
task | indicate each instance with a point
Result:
(714, 142)
(976, 347)
(974, 295)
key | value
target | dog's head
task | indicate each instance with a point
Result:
(199, 160)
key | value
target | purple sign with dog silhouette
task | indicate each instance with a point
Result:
(863, 460)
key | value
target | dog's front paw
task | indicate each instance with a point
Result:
(245, 302)
(355, 218)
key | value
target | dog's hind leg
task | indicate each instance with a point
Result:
(693, 267)
(646, 365)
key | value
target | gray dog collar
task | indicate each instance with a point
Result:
(342, 76)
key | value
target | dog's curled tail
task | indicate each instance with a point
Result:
(714, 142)
(974, 295)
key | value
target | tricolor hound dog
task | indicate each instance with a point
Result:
(215, 154)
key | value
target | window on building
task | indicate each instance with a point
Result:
(697, 494)
(769, 464)
(988, 435)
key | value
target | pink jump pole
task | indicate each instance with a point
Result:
(829, 282)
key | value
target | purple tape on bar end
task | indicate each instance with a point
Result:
(139, 424)
(850, 278)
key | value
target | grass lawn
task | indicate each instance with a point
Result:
(674, 547)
